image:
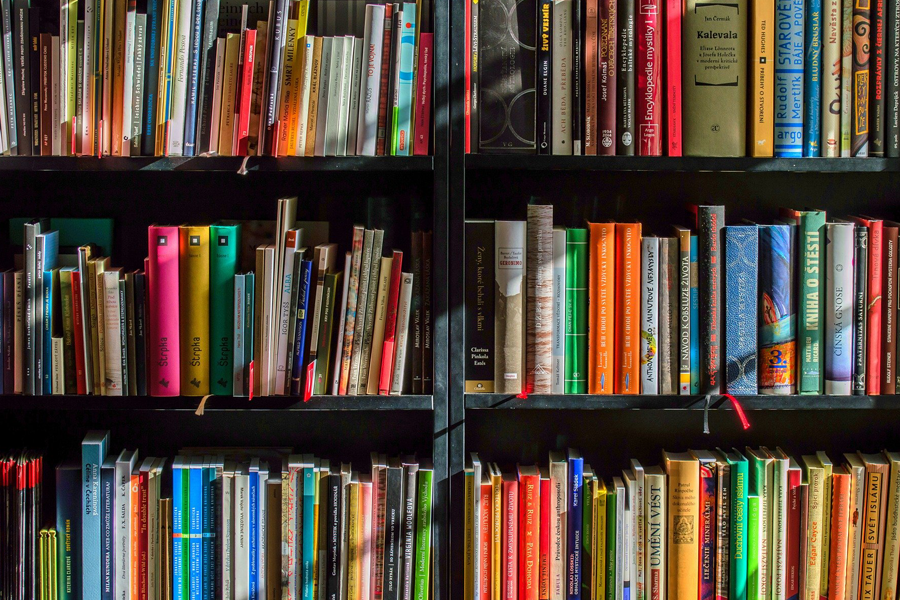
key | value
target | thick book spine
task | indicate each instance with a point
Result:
(562, 55)
(628, 304)
(241, 142)
(193, 299)
(860, 302)
(723, 528)
(590, 70)
(812, 84)
(648, 55)
(93, 453)
(877, 53)
(655, 509)
(762, 128)
(164, 377)
(811, 301)
(840, 525)
(859, 85)
(544, 82)
(575, 508)
(684, 507)
(738, 530)
(668, 316)
(539, 273)
(269, 117)
(601, 322)
(225, 242)
(650, 315)
(359, 236)
(607, 58)
(424, 70)
(789, 65)
(69, 526)
(706, 530)
(839, 274)
(710, 221)
(892, 80)
(741, 276)
(778, 310)
(684, 311)
(831, 78)
(889, 329)
(576, 311)
(509, 268)
(368, 105)
(625, 88)
(558, 348)
(874, 306)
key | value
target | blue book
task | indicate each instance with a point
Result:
(302, 319)
(206, 555)
(309, 531)
(812, 85)
(254, 529)
(741, 274)
(51, 280)
(402, 139)
(190, 111)
(574, 525)
(789, 61)
(107, 527)
(778, 309)
(178, 473)
(195, 506)
(695, 320)
(68, 527)
(93, 453)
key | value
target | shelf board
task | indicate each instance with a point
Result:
(597, 402)
(217, 403)
(513, 162)
(216, 163)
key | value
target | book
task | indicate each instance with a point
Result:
(706, 526)
(606, 81)
(509, 266)
(656, 493)
(625, 78)
(891, 558)
(562, 55)
(874, 288)
(859, 87)
(401, 358)
(164, 356)
(648, 114)
(93, 453)
(539, 280)
(601, 320)
(839, 295)
(857, 471)
(762, 54)
(812, 83)
(777, 319)
(650, 315)
(558, 348)
(831, 32)
(740, 302)
(872, 552)
(683, 569)
(684, 272)
(390, 325)
(789, 69)
(384, 284)
(840, 524)
(574, 510)
(194, 298)
(860, 304)
(69, 527)
(529, 530)
(876, 79)
(737, 577)
(710, 221)
(576, 311)
(668, 316)
(225, 241)
(626, 365)
(846, 76)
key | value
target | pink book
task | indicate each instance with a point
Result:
(365, 547)
(390, 326)
(648, 64)
(673, 77)
(243, 122)
(162, 272)
(423, 95)
(874, 302)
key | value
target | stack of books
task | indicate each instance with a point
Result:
(729, 524)
(27, 551)
(804, 305)
(796, 78)
(215, 77)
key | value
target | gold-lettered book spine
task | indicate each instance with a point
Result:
(194, 303)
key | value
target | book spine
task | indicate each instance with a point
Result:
(7, 21)
(612, 523)
(485, 582)
(892, 81)
(137, 106)
(840, 524)
(695, 316)
(723, 529)
(625, 84)
(510, 524)
(813, 542)
(846, 77)
(237, 364)
(812, 294)
(706, 530)
(789, 68)
(606, 82)
(193, 270)
(242, 126)
(539, 332)
(207, 76)
(68, 524)
(650, 315)
(301, 326)
(23, 76)
(762, 79)
(407, 84)
(627, 336)
(889, 317)
(590, 75)
(359, 237)
(422, 562)
(874, 308)
(374, 52)
(398, 380)
(109, 534)
(382, 136)
(577, 41)
(648, 108)
(812, 99)
(544, 83)
(655, 509)
(225, 240)
(151, 83)
(876, 79)
(754, 555)
(737, 576)
(269, 116)
(509, 261)
(164, 359)
(576, 312)
(470, 511)
(428, 312)
(562, 56)
(859, 129)
(390, 326)
(711, 220)
(424, 70)
(838, 308)
(558, 348)
(831, 78)
(602, 310)
(860, 300)
(473, 23)
(778, 347)
(574, 518)
(741, 276)
(673, 77)
(92, 456)
(684, 312)
(684, 505)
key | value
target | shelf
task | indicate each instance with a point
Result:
(217, 163)
(217, 403)
(512, 162)
(595, 402)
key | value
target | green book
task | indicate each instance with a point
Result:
(753, 549)
(737, 576)
(421, 570)
(611, 520)
(828, 470)
(326, 332)
(812, 301)
(68, 324)
(576, 311)
(761, 473)
(225, 242)
(587, 528)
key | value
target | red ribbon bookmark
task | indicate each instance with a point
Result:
(739, 410)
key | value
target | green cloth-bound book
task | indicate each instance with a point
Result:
(225, 245)
(576, 311)
(423, 532)
(810, 343)
(737, 577)
(753, 575)
(611, 519)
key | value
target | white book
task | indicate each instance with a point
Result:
(339, 346)
(305, 84)
(649, 315)
(403, 310)
(180, 77)
(346, 86)
(367, 128)
(262, 532)
(113, 333)
(621, 558)
(86, 118)
(292, 243)
(215, 115)
(830, 57)
(839, 294)
(857, 471)
(55, 139)
(267, 381)
(846, 79)
(128, 92)
(328, 44)
(778, 532)
(125, 465)
(355, 86)
(242, 534)
(559, 486)
(339, 55)
(558, 360)
(58, 381)
(654, 532)
(638, 523)
(226, 529)
(562, 73)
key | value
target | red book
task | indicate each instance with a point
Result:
(143, 528)
(591, 47)
(606, 80)
(840, 530)
(242, 137)
(46, 94)
(383, 135)
(792, 557)
(135, 541)
(707, 528)
(544, 579)
(390, 325)
(673, 77)
(484, 553)
(509, 490)
(78, 319)
(422, 132)
(648, 65)
(889, 318)
(467, 65)
(529, 532)
(873, 303)
(164, 375)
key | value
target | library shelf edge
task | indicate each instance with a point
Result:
(695, 402)
(236, 164)
(272, 404)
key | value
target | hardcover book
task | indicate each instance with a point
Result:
(163, 274)
(606, 81)
(762, 54)
(558, 348)
(839, 275)
(193, 271)
(602, 319)
(683, 528)
(650, 315)
(860, 304)
(509, 264)
(562, 55)
(539, 330)
(225, 240)
(812, 85)
(859, 85)
(576, 311)
(627, 327)
(789, 65)
(741, 276)
(874, 287)
(668, 316)
(625, 78)
(648, 57)
(777, 310)
(710, 221)
(831, 78)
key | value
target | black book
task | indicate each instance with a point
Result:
(861, 261)
(333, 539)
(625, 143)
(208, 75)
(140, 333)
(9, 75)
(415, 317)
(479, 260)
(393, 517)
(427, 328)
(408, 528)
(577, 78)
(543, 89)
(34, 44)
(506, 76)
(273, 52)
(9, 301)
(22, 63)
(876, 81)
(892, 81)
(710, 221)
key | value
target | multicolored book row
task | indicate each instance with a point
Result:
(804, 305)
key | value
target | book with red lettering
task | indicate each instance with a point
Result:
(242, 135)
(607, 64)
(627, 358)
(544, 554)
(509, 500)
(648, 65)
(873, 303)
(486, 500)
(889, 318)
(529, 532)
(390, 325)
(78, 320)
(163, 352)
(422, 130)
(673, 77)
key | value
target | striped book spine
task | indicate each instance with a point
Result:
(539, 281)
(576, 311)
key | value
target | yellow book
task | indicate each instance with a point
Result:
(43, 567)
(52, 589)
(229, 85)
(683, 540)
(599, 507)
(302, 8)
(313, 115)
(321, 471)
(353, 522)
(496, 532)
(384, 284)
(762, 78)
(287, 90)
(193, 300)
(99, 297)
(296, 80)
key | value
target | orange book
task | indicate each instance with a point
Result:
(486, 497)
(840, 533)
(135, 540)
(529, 532)
(601, 317)
(628, 303)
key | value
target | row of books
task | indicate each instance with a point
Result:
(805, 305)
(191, 324)
(798, 78)
(754, 525)
(198, 77)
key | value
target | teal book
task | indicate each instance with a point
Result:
(93, 453)
(812, 301)
(309, 530)
(753, 541)
(611, 520)
(402, 138)
(225, 244)
(737, 576)
(50, 295)
(422, 567)
(576, 311)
